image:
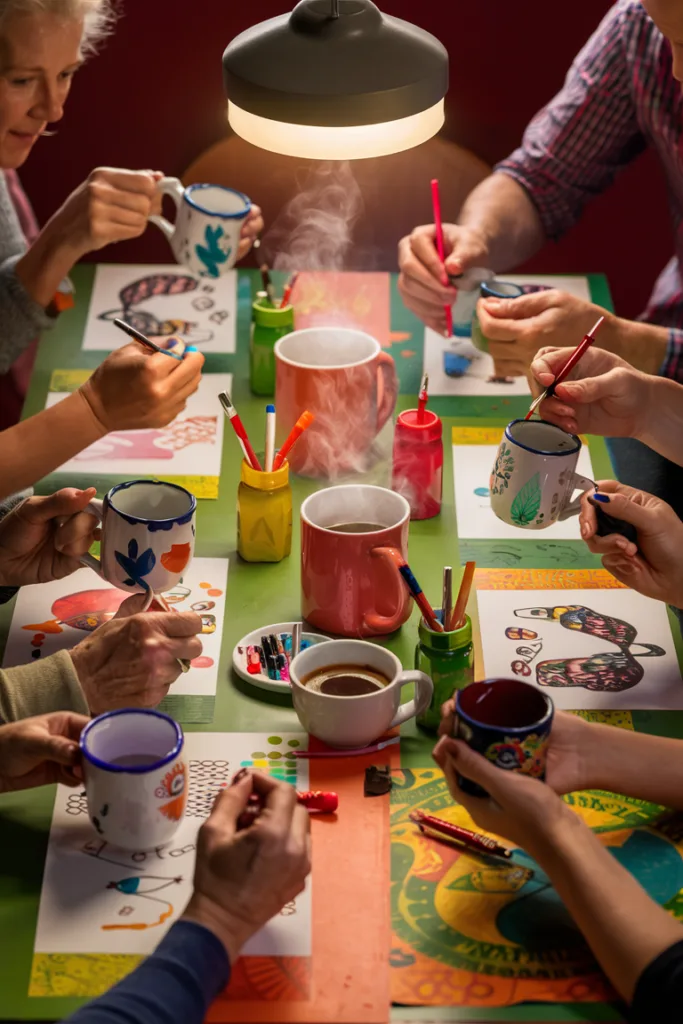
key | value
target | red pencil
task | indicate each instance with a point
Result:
(287, 294)
(446, 830)
(441, 249)
(578, 352)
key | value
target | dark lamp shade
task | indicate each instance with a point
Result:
(313, 84)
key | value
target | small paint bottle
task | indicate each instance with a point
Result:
(448, 658)
(418, 462)
(269, 324)
(264, 514)
(492, 290)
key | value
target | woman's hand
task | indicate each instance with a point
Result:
(655, 566)
(132, 388)
(569, 753)
(41, 750)
(517, 328)
(251, 229)
(242, 879)
(42, 539)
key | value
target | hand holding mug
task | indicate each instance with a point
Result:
(40, 751)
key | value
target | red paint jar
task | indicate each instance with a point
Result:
(418, 462)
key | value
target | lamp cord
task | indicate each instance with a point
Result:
(335, 8)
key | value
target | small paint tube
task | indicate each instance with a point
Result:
(264, 667)
(287, 645)
(253, 661)
(271, 663)
(282, 663)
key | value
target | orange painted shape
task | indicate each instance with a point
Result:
(177, 558)
(52, 626)
(204, 586)
(214, 593)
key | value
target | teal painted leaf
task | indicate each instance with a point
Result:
(527, 502)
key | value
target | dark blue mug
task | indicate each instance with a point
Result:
(508, 722)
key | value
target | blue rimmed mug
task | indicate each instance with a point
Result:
(148, 533)
(506, 721)
(135, 777)
(533, 478)
(209, 218)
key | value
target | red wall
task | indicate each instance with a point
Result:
(154, 98)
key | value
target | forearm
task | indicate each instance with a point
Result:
(503, 213)
(45, 265)
(41, 687)
(642, 345)
(634, 763)
(39, 445)
(623, 926)
(663, 427)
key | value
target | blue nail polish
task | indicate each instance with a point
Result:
(191, 348)
(172, 343)
(601, 497)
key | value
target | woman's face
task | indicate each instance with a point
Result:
(41, 56)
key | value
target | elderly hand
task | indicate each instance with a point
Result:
(251, 229)
(603, 394)
(655, 566)
(517, 328)
(242, 879)
(42, 539)
(423, 282)
(132, 660)
(133, 389)
(524, 810)
(39, 751)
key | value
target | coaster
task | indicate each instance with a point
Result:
(283, 632)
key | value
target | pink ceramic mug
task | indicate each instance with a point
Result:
(349, 582)
(348, 383)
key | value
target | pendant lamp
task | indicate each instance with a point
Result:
(335, 80)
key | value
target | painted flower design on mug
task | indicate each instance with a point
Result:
(526, 755)
(174, 785)
(136, 566)
(502, 470)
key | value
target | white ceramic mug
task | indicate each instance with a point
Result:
(533, 478)
(209, 218)
(148, 532)
(355, 721)
(135, 777)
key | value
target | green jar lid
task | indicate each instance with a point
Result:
(273, 316)
(446, 641)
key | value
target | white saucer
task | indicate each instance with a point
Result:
(253, 639)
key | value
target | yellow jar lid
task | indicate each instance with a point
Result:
(265, 481)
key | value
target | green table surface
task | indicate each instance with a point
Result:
(259, 594)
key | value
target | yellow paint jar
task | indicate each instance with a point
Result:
(264, 514)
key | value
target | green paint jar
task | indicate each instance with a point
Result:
(269, 324)
(492, 290)
(448, 658)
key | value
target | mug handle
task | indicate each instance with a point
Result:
(388, 623)
(424, 688)
(574, 507)
(94, 508)
(172, 187)
(387, 388)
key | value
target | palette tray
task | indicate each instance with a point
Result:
(253, 639)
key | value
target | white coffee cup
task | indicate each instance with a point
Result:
(533, 479)
(206, 235)
(358, 720)
(134, 805)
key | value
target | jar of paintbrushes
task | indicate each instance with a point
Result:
(264, 514)
(271, 319)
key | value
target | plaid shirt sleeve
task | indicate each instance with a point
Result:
(673, 361)
(575, 146)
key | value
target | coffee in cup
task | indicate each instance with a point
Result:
(346, 680)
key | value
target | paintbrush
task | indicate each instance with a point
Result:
(415, 589)
(132, 332)
(457, 620)
(422, 399)
(237, 425)
(578, 352)
(441, 249)
(287, 294)
(447, 597)
(270, 438)
(267, 283)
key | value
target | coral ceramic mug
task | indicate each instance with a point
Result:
(135, 777)
(206, 235)
(348, 383)
(356, 720)
(349, 582)
(148, 531)
(533, 478)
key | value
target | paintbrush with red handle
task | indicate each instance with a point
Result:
(578, 352)
(440, 247)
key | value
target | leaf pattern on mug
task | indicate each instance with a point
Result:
(502, 470)
(527, 502)
(136, 566)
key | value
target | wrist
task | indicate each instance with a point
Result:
(230, 933)
(92, 410)
(558, 840)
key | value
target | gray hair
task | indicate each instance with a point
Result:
(98, 16)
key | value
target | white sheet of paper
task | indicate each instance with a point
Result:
(89, 886)
(660, 687)
(476, 380)
(160, 300)
(81, 602)
(192, 445)
(471, 470)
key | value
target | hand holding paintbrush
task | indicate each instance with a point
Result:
(562, 374)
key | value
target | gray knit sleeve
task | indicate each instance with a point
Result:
(21, 317)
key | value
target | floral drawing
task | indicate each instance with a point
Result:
(502, 469)
(136, 566)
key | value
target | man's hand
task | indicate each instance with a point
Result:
(39, 751)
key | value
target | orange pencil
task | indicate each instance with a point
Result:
(458, 614)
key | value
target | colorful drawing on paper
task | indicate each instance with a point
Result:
(476, 521)
(590, 649)
(191, 445)
(468, 933)
(160, 301)
(55, 616)
(276, 759)
(344, 299)
(121, 902)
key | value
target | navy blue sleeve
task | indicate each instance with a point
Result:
(659, 991)
(175, 985)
